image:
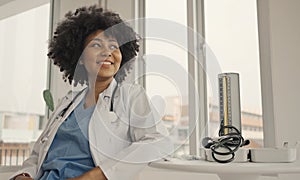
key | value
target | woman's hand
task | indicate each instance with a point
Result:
(23, 178)
(94, 174)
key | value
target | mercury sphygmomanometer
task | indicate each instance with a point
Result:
(230, 138)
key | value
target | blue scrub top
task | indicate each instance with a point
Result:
(69, 155)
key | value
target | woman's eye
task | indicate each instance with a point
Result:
(96, 45)
(113, 47)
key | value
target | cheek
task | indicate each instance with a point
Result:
(88, 56)
(89, 62)
(119, 61)
(118, 57)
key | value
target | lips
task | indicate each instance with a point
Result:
(105, 62)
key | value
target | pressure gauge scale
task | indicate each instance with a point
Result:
(229, 99)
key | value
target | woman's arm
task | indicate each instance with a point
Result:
(30, 165)
(149, 137)
(94, 174)
(22, 176)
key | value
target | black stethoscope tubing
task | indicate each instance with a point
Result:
(63, 112)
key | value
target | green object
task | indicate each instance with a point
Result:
(48, 99)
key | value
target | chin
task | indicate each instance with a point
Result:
(104, 77)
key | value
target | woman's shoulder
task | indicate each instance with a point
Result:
(72, 94)
(131, 88)
(133, 92)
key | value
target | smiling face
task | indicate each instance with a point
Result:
(101, 56)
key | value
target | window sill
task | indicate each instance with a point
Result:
(245, 171)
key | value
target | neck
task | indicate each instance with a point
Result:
(94, 89)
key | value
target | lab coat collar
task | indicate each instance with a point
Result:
(109, 90)
(107, 93)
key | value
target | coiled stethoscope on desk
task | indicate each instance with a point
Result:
(226, 144)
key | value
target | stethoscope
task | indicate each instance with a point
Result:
(231, 142)
(63, 112)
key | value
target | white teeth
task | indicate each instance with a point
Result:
(104, 62)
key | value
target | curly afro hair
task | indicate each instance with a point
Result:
(67, 44)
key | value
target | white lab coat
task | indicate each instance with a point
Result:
(121, 142)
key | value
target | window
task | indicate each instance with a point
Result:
(232, 35)
(23, 69)
(166, 65)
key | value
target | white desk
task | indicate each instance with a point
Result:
(229, 171)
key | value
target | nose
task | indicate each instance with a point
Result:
(105, 52)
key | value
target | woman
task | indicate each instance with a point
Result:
(107, 129)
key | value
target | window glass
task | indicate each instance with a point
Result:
(166, 66)
(23, 69)
(232, 35)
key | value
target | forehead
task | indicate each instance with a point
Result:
(100, 35)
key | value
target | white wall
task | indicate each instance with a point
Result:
(279, 46)
(283, 39)
(12, 7)
(285, 62)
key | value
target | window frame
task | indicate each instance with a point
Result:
(196, 16)
(198, 110)
(263, 19)
(197, 119)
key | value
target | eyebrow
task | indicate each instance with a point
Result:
(101, 40)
